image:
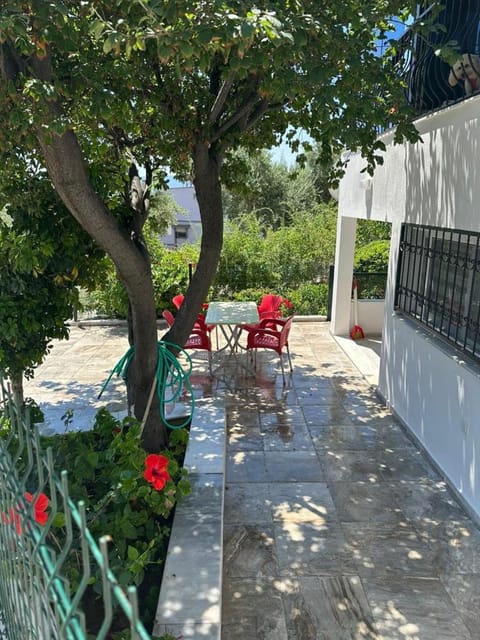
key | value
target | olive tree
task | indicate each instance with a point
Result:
(139, 86)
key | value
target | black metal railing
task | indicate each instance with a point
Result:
(371, 285)
(430, 82)
(438, 283)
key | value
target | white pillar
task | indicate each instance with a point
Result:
(342, 281)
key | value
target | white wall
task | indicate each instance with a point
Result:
(427, 383)
(435, 182)
(370, 316)
(437, 395)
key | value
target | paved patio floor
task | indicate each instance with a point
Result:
(336, 527)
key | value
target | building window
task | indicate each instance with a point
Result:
(181, 234)
(438, 283)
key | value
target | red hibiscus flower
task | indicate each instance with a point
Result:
(40, 505)
(156, 470)
(12, 517)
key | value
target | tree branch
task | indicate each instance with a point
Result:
(260, 110)
(221, 97)
(10, 62)
(243, 112)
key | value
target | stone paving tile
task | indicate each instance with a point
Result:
(245, 466)
(388, 549)
(293, 466)
(351, 466)
(359, 438)
(305, 548)
(239, 439)
(410, 607)
(247, 503)
(464, 590)
(426, 504)
(253, 609)
(285, 436)
(320, 415)
(298, 502)
(333, 608)
(249, 551)
(366, 502)
(456, 546)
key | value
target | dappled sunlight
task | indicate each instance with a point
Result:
(238, 457)
(392, 619)
(303, 512)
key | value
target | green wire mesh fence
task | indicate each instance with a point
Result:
(37, 600)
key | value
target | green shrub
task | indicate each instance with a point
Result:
(309, 299)
(109, 298)
(170, 275)
(170, 272)
(373, 257)
(371, 265)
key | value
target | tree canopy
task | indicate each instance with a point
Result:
(272, 190)
(44, 256)
(105, 90)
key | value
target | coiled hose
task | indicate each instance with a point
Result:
(170, 381)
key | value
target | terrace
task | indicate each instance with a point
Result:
(313, 514)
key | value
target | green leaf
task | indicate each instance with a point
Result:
(186, 49)
(97, 28)
(132, 553)
(247, 30)
(125, 578)
(109, 43)
(59, 520)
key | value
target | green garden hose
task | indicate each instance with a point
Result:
(170, 379)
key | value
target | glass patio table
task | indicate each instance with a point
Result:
(229, 316)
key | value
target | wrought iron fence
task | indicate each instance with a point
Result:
(438, 283)
(37, 602)
(430, 82)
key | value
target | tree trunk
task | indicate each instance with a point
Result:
(206, 164)
(67, 171)
(17, 390)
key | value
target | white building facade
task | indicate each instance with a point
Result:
(430, 360)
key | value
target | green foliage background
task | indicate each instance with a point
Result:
(292, 261)
(371, 266)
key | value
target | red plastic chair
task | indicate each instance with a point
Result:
(265, 337)
(200, 321)
(179, 298)
(269, 308)
(197, 340)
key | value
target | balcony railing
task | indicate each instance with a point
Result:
(370, 285)
(430, 82)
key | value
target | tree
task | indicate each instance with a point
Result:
(182, 84)
(44, 256)
(257, 185)
(271, 190)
